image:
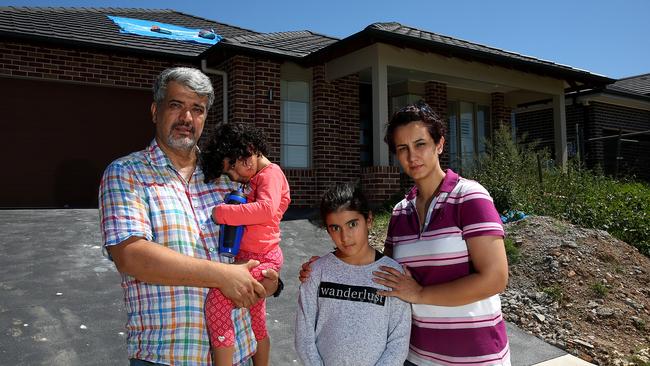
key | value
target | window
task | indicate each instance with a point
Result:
(469, 128)
(295, 124)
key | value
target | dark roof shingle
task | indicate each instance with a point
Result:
(478, 49)
(92, 27)
(639, 84)
(293, 44)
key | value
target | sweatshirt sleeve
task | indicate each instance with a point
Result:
(268, 197)
(399, 334)
(305, 332)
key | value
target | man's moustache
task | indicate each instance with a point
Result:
(191, 128)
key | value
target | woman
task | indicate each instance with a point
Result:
(448, 236)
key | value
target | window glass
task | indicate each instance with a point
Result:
(295, 127)
(452, 134)
(295, 112)
(295, 134)
(468, 133)
(483, 127)
(295, 156)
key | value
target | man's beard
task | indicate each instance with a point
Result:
(181, 143)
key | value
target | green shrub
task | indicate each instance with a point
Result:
(521, 178)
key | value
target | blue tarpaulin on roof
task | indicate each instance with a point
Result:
(169, 31)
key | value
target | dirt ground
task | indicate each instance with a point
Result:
(579, 289)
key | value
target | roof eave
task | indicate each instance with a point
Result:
(372, 35)
(605, 90)
(223, 50)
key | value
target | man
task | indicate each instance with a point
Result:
(156, 224)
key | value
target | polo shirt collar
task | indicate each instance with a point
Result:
(448, 183)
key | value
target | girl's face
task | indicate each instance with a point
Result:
(349, 231)
(416, 151)
(243, 169)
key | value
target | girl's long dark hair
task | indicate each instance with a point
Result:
(230, 141)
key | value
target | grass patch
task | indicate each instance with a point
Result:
(554, 292)
(512, 252)
(599, 289)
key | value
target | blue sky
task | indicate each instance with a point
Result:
(611, 38)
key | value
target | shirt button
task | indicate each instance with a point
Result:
(202, 227)
(212, 250)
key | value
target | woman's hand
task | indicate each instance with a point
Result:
(402, 285)
(305, 270)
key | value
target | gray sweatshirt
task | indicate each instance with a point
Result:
(342, 321)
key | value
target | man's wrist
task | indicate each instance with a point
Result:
(278, 291)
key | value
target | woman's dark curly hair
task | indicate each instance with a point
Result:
(231, 141)
(346, 197)
(420, 111)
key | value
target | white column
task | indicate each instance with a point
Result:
(379, 112)
(559, 125)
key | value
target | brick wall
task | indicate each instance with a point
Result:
(45, 62)
(500, 112)
(435, 94)
(592, 121)
(536, 126)
(267, 103)
(302, 183)
(635, 155)
(380, 183)
(335, 130)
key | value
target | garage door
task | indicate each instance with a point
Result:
(58, 138)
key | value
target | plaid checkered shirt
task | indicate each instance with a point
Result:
(143, 195)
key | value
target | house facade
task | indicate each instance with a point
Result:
(79, 102)
(608, 128)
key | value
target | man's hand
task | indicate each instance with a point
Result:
(305, 270)
(240, 287)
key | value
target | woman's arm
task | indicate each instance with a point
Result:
(488, 257)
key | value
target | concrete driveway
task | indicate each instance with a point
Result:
(61, 300)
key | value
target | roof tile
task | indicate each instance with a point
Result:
(92, 26)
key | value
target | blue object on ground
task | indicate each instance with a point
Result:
(513, 215)
(150, 28)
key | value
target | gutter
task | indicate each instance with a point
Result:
(224, 83)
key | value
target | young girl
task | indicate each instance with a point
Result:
(240, 152)
(341, 319)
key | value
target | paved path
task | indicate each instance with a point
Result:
(61, 301)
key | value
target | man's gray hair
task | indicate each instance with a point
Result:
(194, 79)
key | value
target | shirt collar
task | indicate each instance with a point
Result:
(448, 183)
(158, 157)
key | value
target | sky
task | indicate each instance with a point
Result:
(610, 38)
